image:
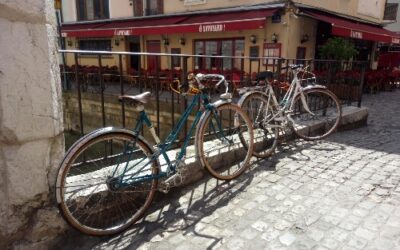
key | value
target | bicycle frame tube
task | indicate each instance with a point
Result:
(164, 147)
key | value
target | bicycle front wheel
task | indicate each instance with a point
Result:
(106, 183)
(218, 143)
(266, 129)
(322, 117)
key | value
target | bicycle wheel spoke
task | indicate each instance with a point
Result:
(225, 142)
(261, 114)
(103, 189)
(323, 118)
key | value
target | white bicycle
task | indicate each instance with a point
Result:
(312, 112)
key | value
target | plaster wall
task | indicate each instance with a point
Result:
(31, 140)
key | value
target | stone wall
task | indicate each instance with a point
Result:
(31, 140)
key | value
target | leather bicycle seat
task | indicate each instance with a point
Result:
(141, 98)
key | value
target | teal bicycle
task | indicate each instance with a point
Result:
(108, 178)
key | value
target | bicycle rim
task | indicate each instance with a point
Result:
(266, 130)
(93, 199)
(325, 116)
(218, 142)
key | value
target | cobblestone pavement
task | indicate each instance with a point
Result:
(339, 193)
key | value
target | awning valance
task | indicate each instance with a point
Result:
(347, 28)
(199, 23)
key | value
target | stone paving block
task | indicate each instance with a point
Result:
(356, 243)
(287, 239)
(330, 243)
(364, 233)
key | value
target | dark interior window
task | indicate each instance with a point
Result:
(92, 9)
(101, 45)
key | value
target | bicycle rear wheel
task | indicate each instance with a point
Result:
(324, 118)
(266, 129)
(218, 143)
(105, 184)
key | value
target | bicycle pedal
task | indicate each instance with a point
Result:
(164, 187)
(174, 180)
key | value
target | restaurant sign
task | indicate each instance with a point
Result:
(395, 40)
(356, 34)
(211, 27)
(123, 32)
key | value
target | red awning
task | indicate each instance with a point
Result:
(216, 22)
(348, 28)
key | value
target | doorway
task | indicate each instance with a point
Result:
(153, 46)
(134, 59)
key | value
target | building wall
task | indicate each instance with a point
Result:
(121, 8)
(31, 125)
(370, 10)
(289, 32)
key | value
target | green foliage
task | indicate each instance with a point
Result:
(338, 49)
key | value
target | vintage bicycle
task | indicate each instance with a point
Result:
(310, 110)
(109, 177)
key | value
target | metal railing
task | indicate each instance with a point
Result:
(102, 84)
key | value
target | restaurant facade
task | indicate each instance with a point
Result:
(289, 29)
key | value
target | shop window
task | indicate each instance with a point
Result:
(218, 47)
(92, 9)
(101, 45)
(175, 60)
(271, 50)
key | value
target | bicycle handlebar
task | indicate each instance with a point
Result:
(199, 77)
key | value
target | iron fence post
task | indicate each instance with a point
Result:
(79, 93)
(360, 91)
(122, 90)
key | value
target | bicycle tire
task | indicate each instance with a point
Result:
(265, 135)
(89, 198)
(219, 147)
(327, 109)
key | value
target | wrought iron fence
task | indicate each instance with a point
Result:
(89, 89)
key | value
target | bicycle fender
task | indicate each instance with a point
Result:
(314, 87)
(85, 139)
(243, 97)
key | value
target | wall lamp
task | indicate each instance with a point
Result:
(182, 41)
(274, 38)
(165, 41)
(304, 38)
(253, 39)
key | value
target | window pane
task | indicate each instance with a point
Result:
(226, 50)
(106, 10)
(81, 9)
(239, 51)
(211, 49)
(198, 50)
(89, 9)
(95, 45)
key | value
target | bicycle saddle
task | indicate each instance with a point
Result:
(141, 98)
(295, 66)
(265, 75)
